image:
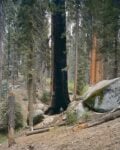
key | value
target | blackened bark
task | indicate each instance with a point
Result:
(60, 97)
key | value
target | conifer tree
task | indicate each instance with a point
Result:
(60, 97)
(26, 26)
(1, 41)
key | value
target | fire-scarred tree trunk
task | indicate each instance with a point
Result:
(60, 97)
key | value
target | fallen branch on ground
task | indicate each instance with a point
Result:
(38, 131)
(110, 116)
(44, 129)
(50, 126)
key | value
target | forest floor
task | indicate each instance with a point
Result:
(102, 137)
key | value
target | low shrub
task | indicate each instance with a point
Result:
(3, 137)
(71, 117)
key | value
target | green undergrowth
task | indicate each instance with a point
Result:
(19, 123)
(71, 117)
(3, 137)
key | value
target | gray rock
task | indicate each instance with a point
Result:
(38, 116)
(104, 96)
(80, 110)
(77, 107)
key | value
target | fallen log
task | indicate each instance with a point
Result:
(43, 129)
(51, 126)
(37, 131)
(110, 116)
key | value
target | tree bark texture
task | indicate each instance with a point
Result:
(1, 41)
(30, 87)
(76, 49)
(60, 97)
(11, 119)
(116, 56)
(93, 61)
(96, 69)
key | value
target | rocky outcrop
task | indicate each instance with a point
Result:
(104, 96)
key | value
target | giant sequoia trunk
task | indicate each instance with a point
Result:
(93, 60)
(96, 70)
(60, 97)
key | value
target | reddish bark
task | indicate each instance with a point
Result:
(93, 61)
(96, 68)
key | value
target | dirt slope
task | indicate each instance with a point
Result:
(103, 137)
